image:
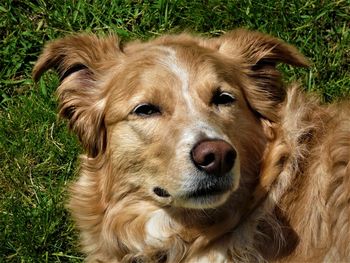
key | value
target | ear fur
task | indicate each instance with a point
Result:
(259, 53)
(80, 61)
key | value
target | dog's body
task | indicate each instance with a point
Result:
(197, 153)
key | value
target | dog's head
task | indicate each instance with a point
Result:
(179, 118)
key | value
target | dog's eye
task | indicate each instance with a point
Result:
(146, 110)
(222, 98)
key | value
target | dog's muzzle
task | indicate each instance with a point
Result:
(213, 179)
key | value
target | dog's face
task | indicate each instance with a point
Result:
(179, 119)
(180, 124)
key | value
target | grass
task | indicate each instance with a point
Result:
(38, 157)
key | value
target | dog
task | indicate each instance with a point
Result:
(195, 151)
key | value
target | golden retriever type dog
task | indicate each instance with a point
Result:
(196, 152)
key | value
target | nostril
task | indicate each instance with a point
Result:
(208, 159)
(230, 157)
(229, 160)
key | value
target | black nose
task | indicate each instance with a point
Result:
(215, 157)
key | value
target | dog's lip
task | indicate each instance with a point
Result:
(208, 186)
(207, 192)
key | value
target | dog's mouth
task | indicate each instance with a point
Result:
(201, 192)
(207, 193)
(210, 196)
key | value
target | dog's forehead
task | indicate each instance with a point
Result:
(175, 57)
(180, 58)
(187, 64)
(180, 75)
(180, 70)
(168, 67)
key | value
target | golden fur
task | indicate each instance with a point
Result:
(289, 200)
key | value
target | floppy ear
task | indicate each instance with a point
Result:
(258, 54)
(81, 61)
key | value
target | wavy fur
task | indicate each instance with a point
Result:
(292, 200)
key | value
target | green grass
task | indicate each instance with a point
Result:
(38, 157)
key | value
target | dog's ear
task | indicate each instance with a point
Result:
(81, 61)
(257, 55)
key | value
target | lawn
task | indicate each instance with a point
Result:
(38, 156)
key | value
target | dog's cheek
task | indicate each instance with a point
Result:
(137, 155)
(249, 139)
(125, 148)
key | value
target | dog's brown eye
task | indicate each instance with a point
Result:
(146, 110)
(222, 98)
